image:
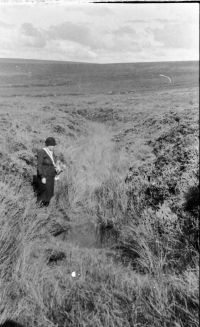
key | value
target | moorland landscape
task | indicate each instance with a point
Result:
(125, 212)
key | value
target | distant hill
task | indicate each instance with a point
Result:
(98, 78)
(38, 61)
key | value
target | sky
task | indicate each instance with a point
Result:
(100, 33)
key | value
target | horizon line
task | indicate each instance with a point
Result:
(98, 63)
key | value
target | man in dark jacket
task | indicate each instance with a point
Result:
(46, 172)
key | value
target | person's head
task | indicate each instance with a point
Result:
(50, 143)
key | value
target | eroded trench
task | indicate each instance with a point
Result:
(93, 160)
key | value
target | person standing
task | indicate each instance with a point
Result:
(46, 172)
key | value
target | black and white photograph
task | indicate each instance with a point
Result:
(99, 164)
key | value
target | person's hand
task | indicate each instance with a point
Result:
(60, 167)
(43, 180)
(58, 170)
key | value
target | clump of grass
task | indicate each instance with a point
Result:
(111, 201)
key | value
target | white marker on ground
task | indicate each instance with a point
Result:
(169, 78)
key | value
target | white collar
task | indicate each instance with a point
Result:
(50, 154)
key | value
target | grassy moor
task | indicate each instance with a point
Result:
(118, 245)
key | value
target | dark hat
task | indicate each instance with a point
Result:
(50, 141)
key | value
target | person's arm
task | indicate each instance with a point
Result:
(56, 166)
(55, 159)
(40, 157)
